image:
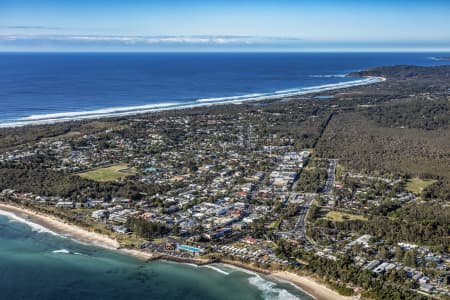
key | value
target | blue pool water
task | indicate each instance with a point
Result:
(189, 248)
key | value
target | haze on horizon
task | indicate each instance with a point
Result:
(321, 25)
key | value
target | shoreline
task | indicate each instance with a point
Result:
(53, 225)
(59, 227)
(310, 286)
(117, 112)
(306, 284)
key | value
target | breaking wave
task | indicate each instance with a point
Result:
(269, 290)
(231, 98)
(329, 76)
(97, 112)
(216, 269)
(65, 251)
(34, 227)
(133, 110)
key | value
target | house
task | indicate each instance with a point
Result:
(121, 229)
(427, 288)
(249, 240)
(381, 268)
(216, 234)
(170, 246)
(362, 240)
(373, 264)
(239, 226)
(100, 214)
(65, 204)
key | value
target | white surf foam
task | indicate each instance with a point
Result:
(180, 263)
(96, 112)
(328, 76)
(293, 92)
(65, 251)
(258, 275)
(216, 269)
(34, 227)
(269, 290)
(62, 251)
(133, 110)
(241, 97)
(189, 264)
(241, 269)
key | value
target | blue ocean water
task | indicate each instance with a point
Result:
(46, 87)
(38, 265)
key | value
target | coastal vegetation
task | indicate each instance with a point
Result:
(312, 178)
(401, 129)
(234, 182)
(45, 182)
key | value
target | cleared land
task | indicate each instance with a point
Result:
(108, 174)
(416, 185)
(338, 216)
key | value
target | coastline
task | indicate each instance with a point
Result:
(59, 227)
(53, 118)
(306, 284)
(56, 226)
(310, 286)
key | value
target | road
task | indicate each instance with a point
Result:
(303, 210)
(300, 226)
(331, 174)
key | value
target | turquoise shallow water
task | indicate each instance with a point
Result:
(39, 265)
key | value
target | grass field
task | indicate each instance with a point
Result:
(273, 225)
(416, 185)
(160, 240)
(108, 174)
(337, 216)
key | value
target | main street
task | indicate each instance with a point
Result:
(300, 226)
(331, 174)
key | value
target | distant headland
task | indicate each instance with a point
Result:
(439, 58)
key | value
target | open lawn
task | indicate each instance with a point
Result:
(108, 174)
(416, 185)
(337, 216)
(273, 225)
(159, 240)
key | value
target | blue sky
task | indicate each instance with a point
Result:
(320, 25)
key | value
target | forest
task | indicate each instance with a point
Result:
(45, 182)
(424, 224)
(368, 145)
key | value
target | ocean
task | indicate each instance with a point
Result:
(38, 264)
(50, 87)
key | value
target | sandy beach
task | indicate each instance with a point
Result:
(309, 285)
(112, 112)
(65, 229)
(75, 232)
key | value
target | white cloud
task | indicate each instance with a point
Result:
(150, 40)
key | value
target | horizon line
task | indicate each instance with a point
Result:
(438, 50)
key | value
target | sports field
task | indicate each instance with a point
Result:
(107, 174)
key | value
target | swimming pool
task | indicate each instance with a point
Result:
(189, 248)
